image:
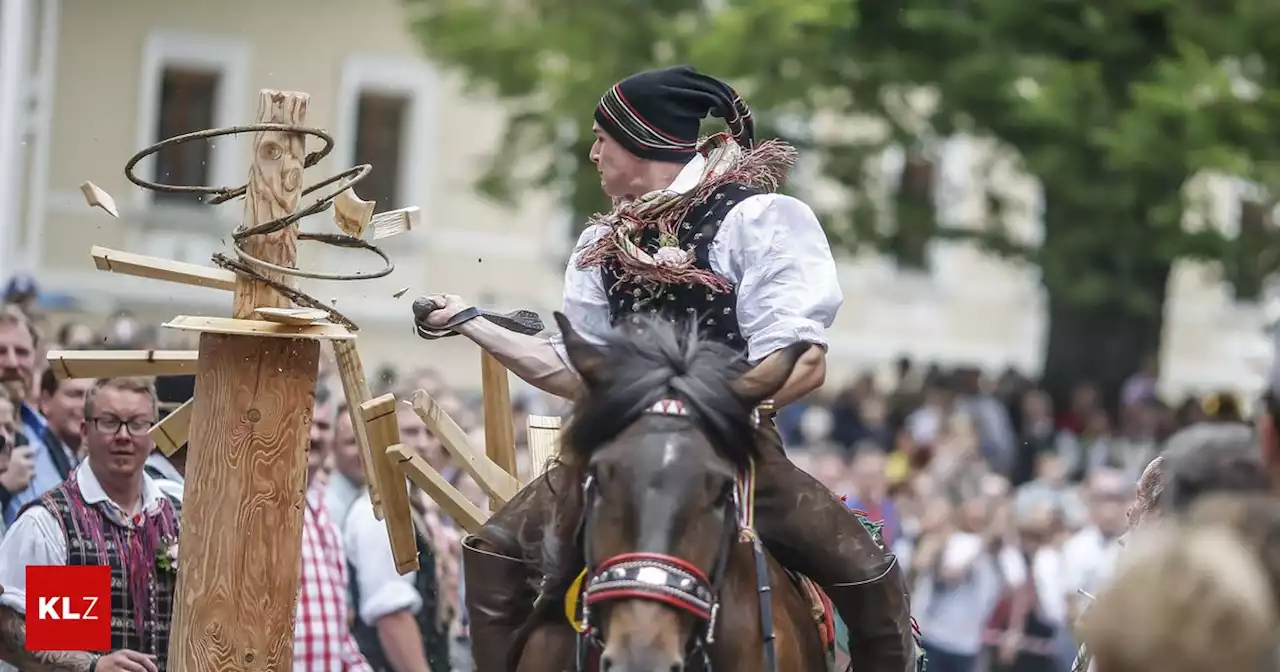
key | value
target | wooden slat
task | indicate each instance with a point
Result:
(356, 388)
(237, 327)
(499, 425)
(380, 424)
(438, 488)
(496, 482)
(118, 363)
(155, 268)
(171, 433)
(544, 442)
(352, 214)
(297, 317)
(96, 196)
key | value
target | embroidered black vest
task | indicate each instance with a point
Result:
(715, 312)
(434, 641)
(152, 636)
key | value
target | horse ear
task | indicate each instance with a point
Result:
(764, 381)
(587, 359)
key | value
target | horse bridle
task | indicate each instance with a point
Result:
(656, 577)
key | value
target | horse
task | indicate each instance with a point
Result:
(650, 503)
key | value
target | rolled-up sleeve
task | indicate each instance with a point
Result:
(35, 538)
(585, 302)
(383, 591)
(773, 249)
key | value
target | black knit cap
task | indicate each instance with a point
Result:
(656, 114)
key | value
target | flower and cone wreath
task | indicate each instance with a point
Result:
(763, 168)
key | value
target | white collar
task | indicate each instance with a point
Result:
(92, 492)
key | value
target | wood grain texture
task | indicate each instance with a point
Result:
(275, 185)
(351, 214)
(297, 317)
(355, 386)
(232, 326)
(499, 425)
(241, 536)
(544, 442)
(172, 432)
(380, 422)
(437, 487)
(156, 268)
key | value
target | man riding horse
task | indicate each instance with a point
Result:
(697, 232)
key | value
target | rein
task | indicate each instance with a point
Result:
(671, 580)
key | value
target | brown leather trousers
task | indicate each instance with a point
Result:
(805, 526)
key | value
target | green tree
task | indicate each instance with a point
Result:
(1113, 106)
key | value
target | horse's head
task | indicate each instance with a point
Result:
(665, 425)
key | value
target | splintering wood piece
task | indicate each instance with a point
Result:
(393, 222)
(295, 317)
(438, 488)
(380, 424)
(117, 363)
(496, 482)
(544, 442)
(97, 197)
(227, 325)
(499, 425)
(128, 263)
(275, 185)
(351, 214)
(356, 389)
(171, 433)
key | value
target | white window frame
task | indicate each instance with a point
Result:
(418, 81)
(229, 57)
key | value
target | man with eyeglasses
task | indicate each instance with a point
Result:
(107, 512)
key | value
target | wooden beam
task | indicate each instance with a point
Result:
(544, 442)
(499, 425)
(245, 490)
(356, 388)
(275, 185)
(232, 326)
(155, 268)
(493, 479)
(380, 423)
(468, 516)
(171, 433)
(117, 363)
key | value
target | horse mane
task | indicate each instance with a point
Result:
(649, 360)
(652, 359)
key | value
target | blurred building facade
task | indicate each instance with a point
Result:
(85, 83)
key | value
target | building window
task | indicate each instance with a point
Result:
(380, 141)
(187, 103)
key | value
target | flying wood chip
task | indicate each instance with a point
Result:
(96, 197)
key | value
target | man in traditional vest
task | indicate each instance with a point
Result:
(697, 231)
(108, 512)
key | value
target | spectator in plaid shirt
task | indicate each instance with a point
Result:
(322, 639)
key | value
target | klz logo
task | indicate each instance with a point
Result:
(69, 608)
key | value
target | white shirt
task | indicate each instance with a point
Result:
(770, 247)
(1088, 559)
(1046, 571)
(383, 590)
(952, 617)
(36, 538)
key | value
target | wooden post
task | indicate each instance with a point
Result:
(243, 502)
(499, 427)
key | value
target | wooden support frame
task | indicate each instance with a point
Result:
(155, 268)
(499, 485)
(464, 513)
(68, 364)
(383, 432)
(544, 442)
(171, 433)
(356, 389)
